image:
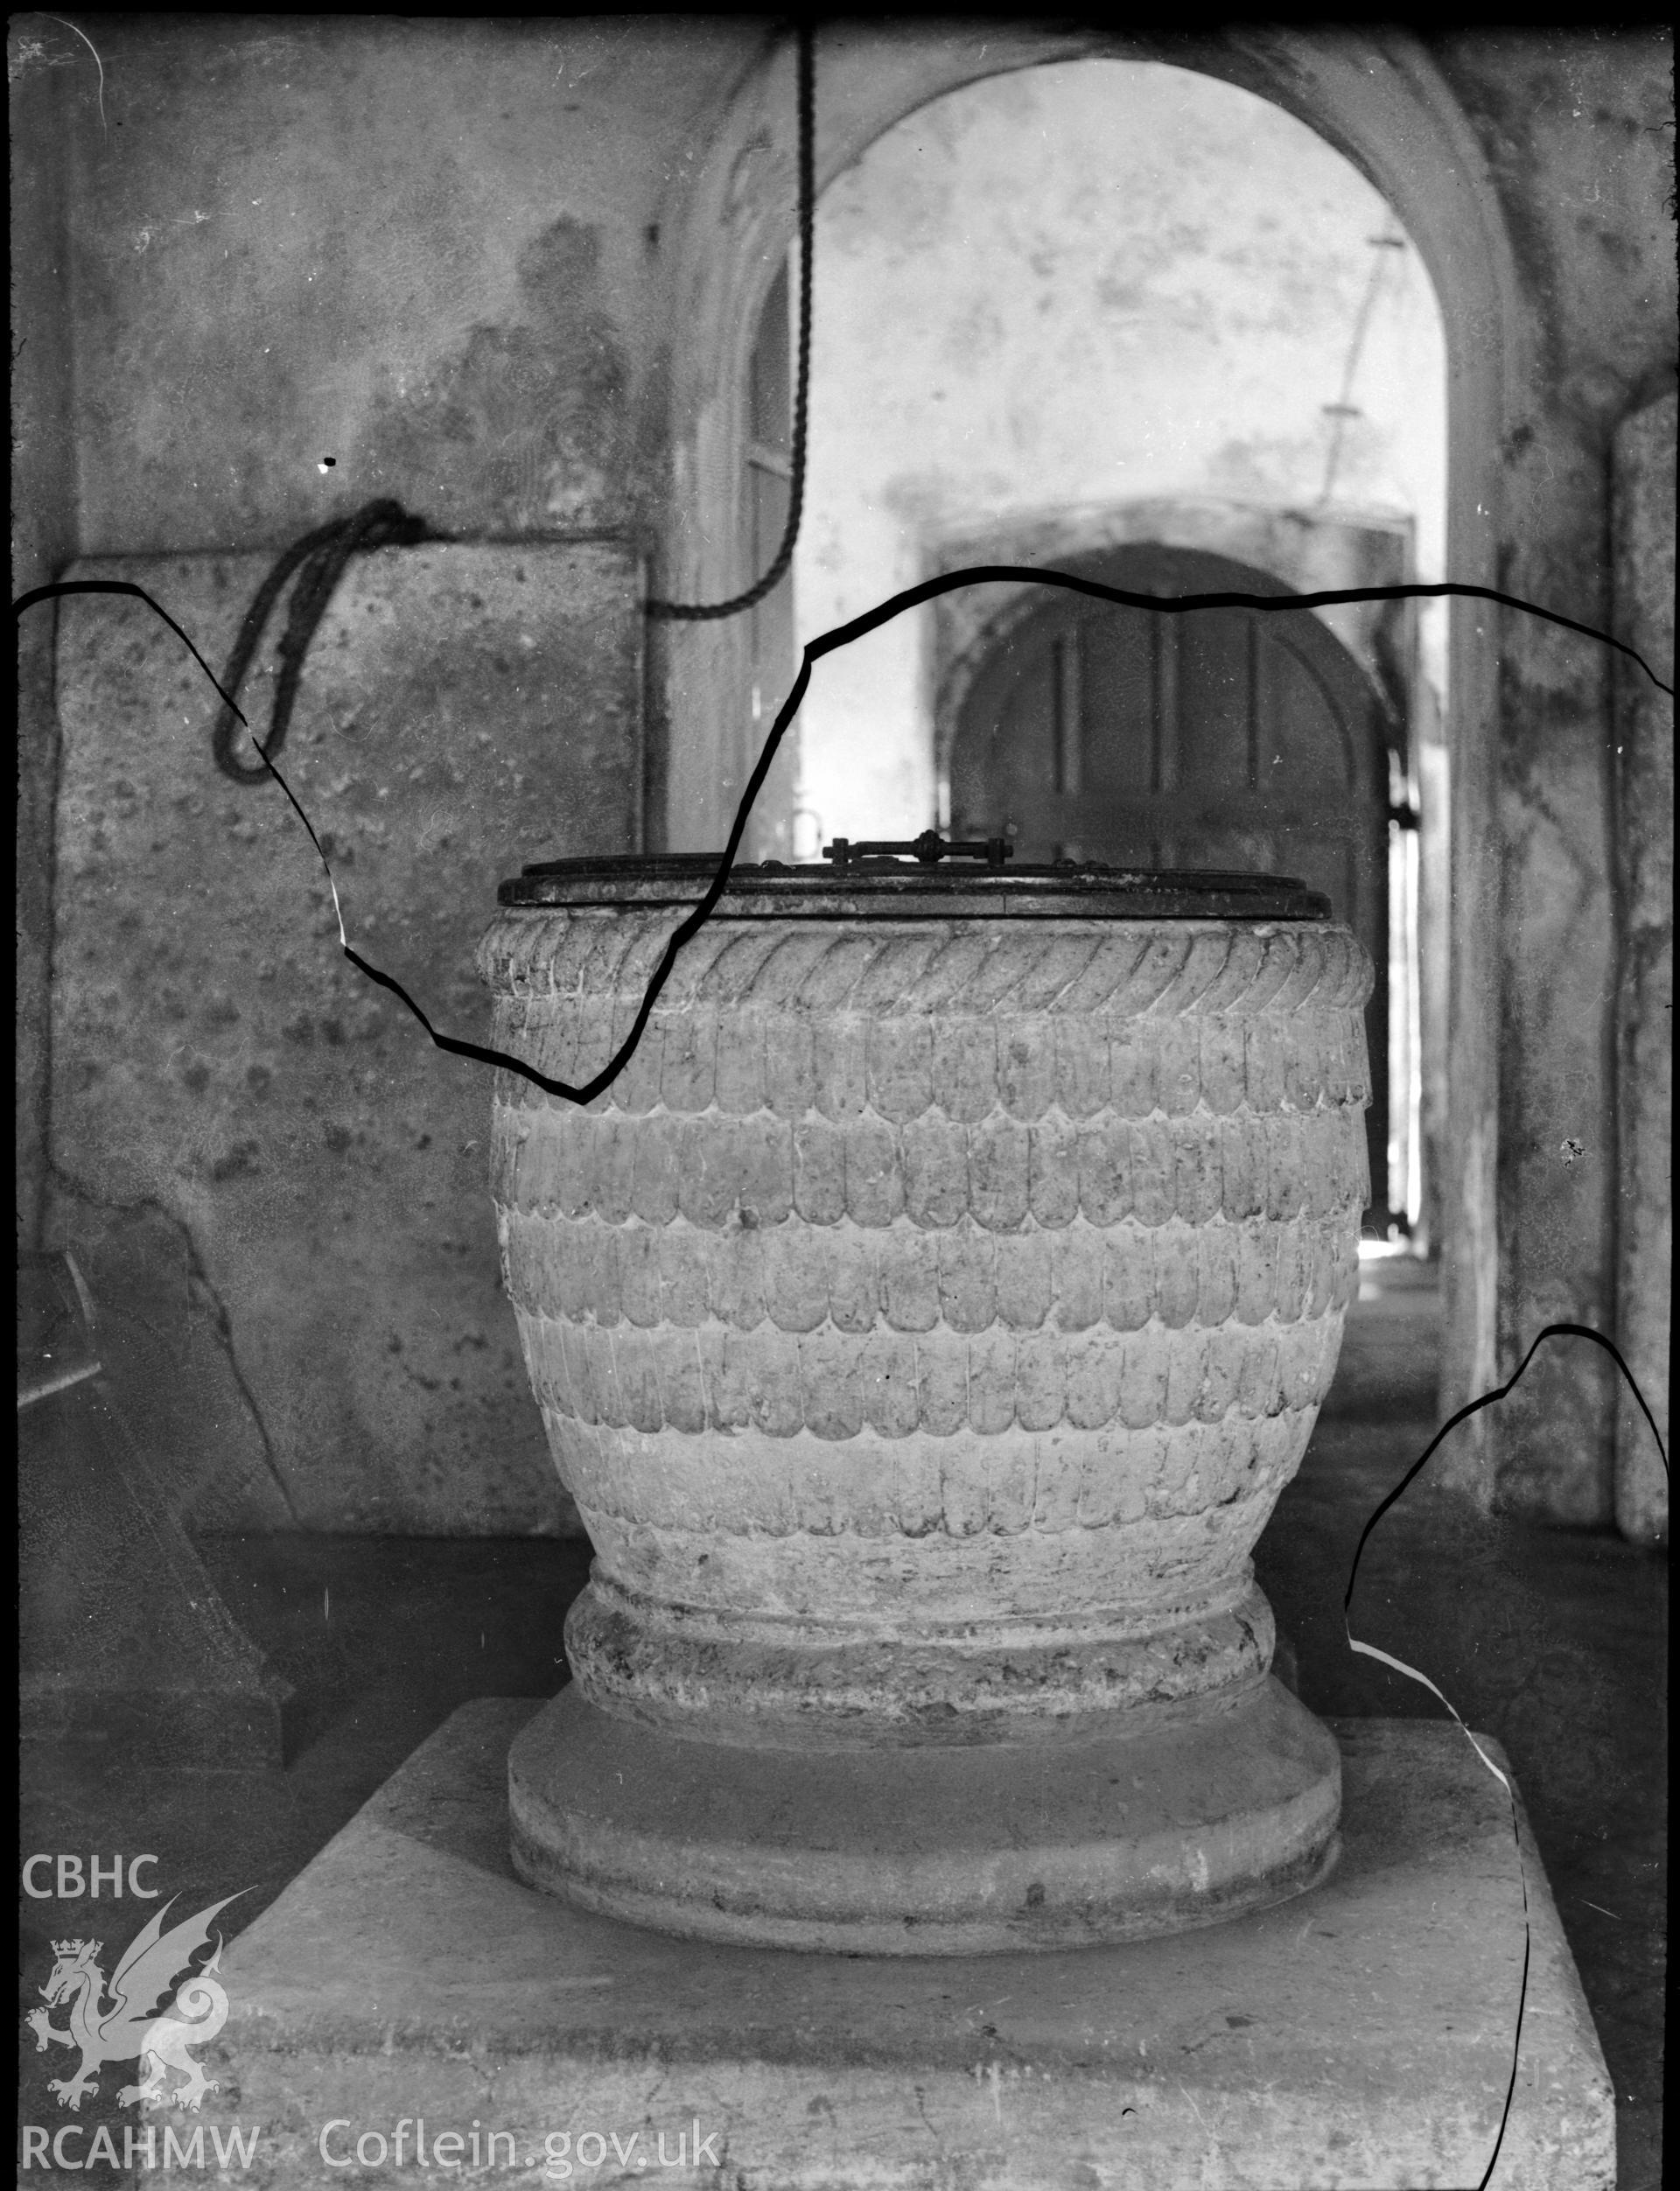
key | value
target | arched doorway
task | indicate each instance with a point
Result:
(1223, 739)
(1379, 98)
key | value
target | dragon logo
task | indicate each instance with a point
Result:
(153, 2008)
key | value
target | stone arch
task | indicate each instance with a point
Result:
(1377, 98)
(1287, 546)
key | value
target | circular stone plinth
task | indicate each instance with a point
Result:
(935, 1851)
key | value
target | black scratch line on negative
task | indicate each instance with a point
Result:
(1399, 1665)
(827, 643)
(123, 586)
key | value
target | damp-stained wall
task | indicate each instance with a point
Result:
(307, 262)
(426, 248)
(1070, 291)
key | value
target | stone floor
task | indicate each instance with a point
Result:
(1555, 1643)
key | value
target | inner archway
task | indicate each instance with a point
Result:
(1108, 308)
(1379, 99)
